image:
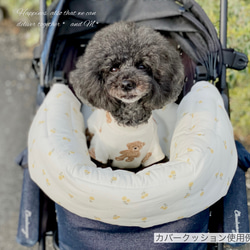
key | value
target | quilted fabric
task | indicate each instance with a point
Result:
(203, 161)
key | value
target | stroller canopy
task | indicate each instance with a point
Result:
(184, 21)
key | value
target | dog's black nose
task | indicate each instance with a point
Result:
(128, 85)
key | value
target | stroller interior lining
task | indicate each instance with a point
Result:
(203, 161)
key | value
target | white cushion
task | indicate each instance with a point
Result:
(203, 161)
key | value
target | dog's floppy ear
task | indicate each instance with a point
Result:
(167, 72)
(173, 73)
(88, 83)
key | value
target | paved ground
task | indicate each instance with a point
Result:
(17, 102)
(17, 107)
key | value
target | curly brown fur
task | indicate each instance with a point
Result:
(128, 70)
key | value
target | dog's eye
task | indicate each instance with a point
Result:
(114, 69)
(141, 66)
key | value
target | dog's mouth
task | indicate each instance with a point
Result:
(129, 98)
(129, 91)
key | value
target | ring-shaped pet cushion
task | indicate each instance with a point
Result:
(203, 161)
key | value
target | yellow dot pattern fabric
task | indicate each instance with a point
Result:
(203, 161)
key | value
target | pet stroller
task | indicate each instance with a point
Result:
(69, 27)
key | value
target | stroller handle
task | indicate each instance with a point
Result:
(43, 19)
(223, 38)
(223, 23)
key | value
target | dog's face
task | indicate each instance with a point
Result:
(128, 81)
(128, 70)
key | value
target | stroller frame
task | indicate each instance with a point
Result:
(232, 59)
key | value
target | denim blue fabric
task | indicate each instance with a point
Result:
(28, 227)
(243, 156)
(235, 203)
(80, 233)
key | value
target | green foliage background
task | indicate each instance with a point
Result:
(13, 5)
(238, 38)
(239, 83)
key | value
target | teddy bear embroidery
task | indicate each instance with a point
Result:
(132, 152)
(147, 156)
(108, 117)
(92, 153)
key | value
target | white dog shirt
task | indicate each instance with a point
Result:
(127, 147)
